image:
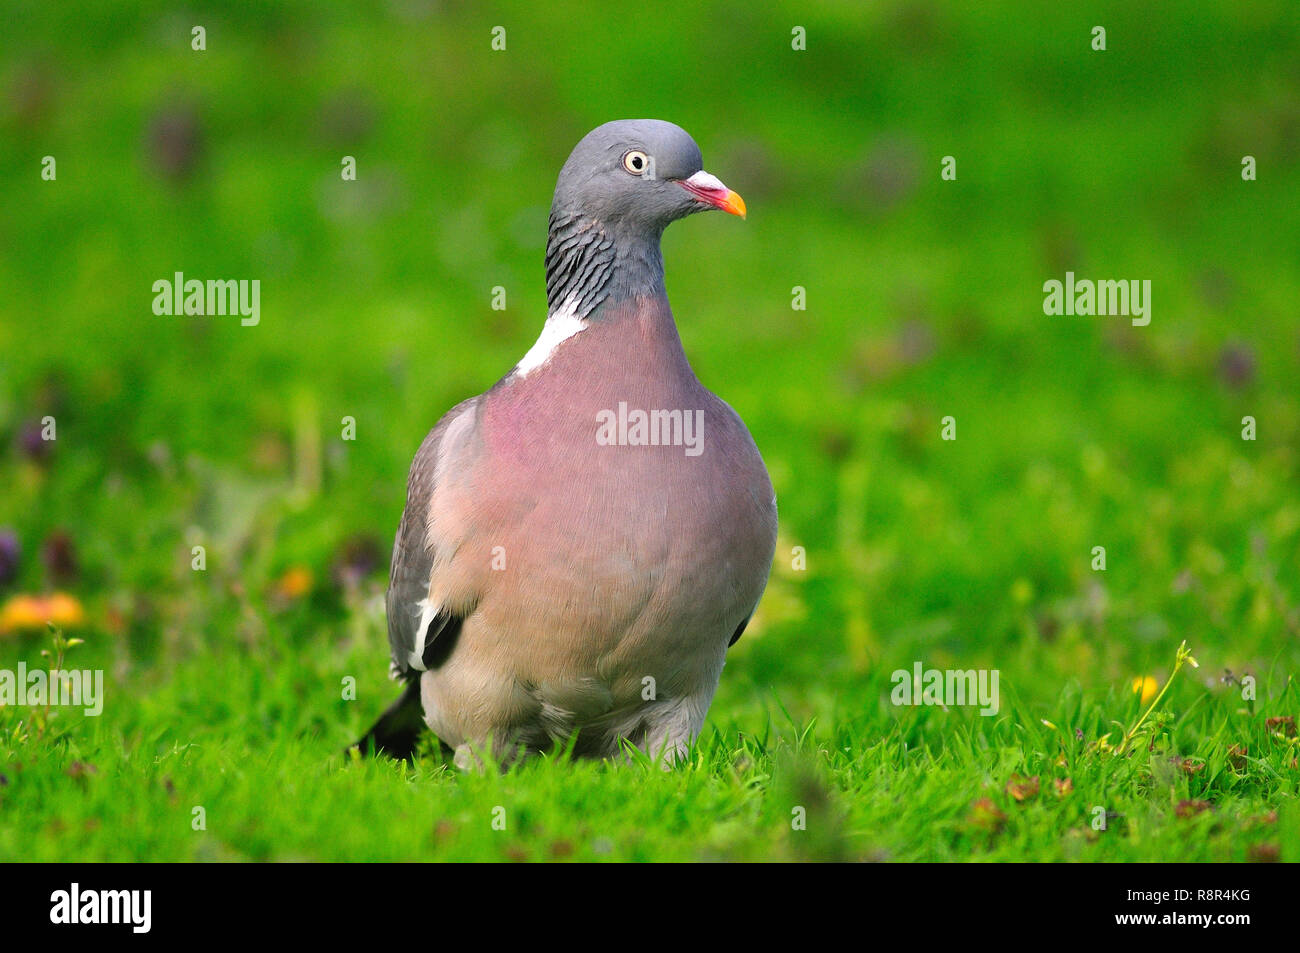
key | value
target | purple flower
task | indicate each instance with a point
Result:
(32, 443)
(10, 556)
(1237, 365)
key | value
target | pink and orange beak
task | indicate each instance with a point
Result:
(709, 190)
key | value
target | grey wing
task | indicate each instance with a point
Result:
(413, 624)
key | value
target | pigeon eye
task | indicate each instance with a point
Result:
(636, 162)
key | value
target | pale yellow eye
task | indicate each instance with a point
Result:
(636, 162)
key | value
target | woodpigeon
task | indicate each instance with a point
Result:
(582, 543)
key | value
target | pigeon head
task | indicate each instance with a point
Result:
(639, 173)
(621, 186)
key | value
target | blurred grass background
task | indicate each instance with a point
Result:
(924, 299)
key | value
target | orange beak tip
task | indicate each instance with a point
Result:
(735, 204)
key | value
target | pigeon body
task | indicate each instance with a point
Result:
(582, 543)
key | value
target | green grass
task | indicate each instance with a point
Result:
(924, 300)
(262, 760)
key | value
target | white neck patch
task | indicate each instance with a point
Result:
(561, 324)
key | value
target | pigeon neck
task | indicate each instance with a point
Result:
(591, 264)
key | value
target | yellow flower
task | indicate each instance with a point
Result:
(1146, 687)
(30, 613)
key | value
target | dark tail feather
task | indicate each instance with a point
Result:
(398, 729)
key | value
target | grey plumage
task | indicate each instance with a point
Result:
(545, 584)
(412, 565)
(600, 244)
